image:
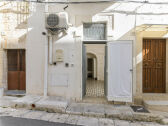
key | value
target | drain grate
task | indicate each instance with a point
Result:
(139, 109)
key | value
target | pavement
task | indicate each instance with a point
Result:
(21, 116)
(61, 110)
(15, 121)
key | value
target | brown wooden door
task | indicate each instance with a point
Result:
(154, 65)
(16, 69)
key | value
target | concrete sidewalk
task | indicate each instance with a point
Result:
(60, 105)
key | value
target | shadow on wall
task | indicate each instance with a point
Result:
(85, 12)
(59, 35)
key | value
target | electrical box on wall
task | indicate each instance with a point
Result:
(59, 56)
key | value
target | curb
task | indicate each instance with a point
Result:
(145, 117)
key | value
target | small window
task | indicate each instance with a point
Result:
(94, 31)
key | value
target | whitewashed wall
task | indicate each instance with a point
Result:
(124, 29)
(69, 43)
(35, 51)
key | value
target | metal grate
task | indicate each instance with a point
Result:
(94, 31)
(52, 20)
(139, 109)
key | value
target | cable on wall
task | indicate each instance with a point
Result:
(85, 1)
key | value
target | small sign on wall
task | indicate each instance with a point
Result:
(59, 55)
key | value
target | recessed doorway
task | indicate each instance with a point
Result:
(154, 65)
(16, 69)
(95, 70)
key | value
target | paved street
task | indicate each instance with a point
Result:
(15, 121)
(24, 117)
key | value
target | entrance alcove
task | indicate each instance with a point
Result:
(94, 86)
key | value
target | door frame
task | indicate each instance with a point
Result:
(165, 61)
(83, 43)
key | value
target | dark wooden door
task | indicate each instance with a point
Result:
(16, 70)
(154, 65)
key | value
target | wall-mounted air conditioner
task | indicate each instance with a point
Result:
(56, 21)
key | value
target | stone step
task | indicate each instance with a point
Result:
(155, 97)
(161, 105)
(94, 100)
(15, 93)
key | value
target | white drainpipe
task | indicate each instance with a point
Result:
(46, 61)
(50, 49)
(46, 67)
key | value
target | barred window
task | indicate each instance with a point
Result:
(94, 31)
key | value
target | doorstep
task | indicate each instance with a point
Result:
(156, 105)
(16, 93)
(61, 105)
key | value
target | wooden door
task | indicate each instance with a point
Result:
(154, 65)
(16, 69)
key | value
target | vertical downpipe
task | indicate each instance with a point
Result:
(46, 61)
(50, 49)
(46, 67)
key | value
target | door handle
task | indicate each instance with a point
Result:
(131, 70)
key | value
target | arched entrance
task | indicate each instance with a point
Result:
(91, 66)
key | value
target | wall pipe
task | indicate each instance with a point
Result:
(46, 67)
(46, 61)
(50, 50)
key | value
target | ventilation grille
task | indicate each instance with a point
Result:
(52, 20)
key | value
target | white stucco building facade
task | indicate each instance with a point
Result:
(65, 78)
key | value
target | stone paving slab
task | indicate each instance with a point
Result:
(72, 119)
(121, 123)
(75, 108)
(6, 111)
(19, 113)
(60, 105)
(61, 118)
(47, 116)
(156, 105)
(135, 124)
(152, 102)
(106, 122)
(111, 112)
(6, 101)
(33, 115)
(52, 104)
(165, 114)
(95, 110)
(149, 117)
(26, 101)
(87, 121)
(75, 119)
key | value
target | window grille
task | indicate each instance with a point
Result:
(94, 31)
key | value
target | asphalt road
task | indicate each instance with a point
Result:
(13, 121)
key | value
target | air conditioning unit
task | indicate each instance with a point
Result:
(56, 21)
